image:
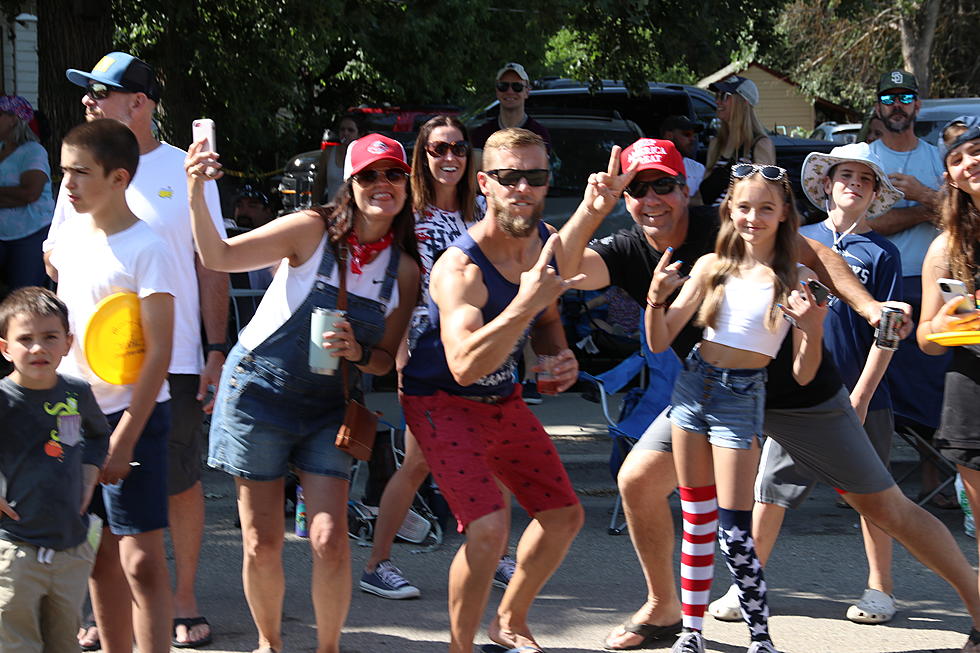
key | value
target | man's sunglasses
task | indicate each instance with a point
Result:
(439, 148)
(889, 99)
(768, 172)
(512, 176)
(98, 91)
(516, 86)
(368, 177)
(660, 186)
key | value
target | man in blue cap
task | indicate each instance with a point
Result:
(125, 88)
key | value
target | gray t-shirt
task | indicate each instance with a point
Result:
(45, 438)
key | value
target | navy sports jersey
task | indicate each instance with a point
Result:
(877, 263)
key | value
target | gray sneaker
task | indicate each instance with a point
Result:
(505, 570)
(762, 647)
(387, 581)
(689, 642)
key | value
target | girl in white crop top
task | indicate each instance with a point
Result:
(742, 290)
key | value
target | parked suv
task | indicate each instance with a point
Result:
(936, 112)
(838, 133)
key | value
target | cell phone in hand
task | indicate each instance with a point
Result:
(953, 288)
(204, 128)
(820, 292)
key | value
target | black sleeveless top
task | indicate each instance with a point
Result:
(715, 182)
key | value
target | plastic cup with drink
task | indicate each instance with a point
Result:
(548, 383)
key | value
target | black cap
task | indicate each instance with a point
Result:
(248, 191)
(684, 123)
(901, 79)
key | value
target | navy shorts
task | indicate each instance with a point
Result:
(725, 404)
(139, 503)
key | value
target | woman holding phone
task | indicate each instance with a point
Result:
(271, 411)
(954, 256)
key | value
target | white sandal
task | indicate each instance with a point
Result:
(874, 607)
(727, 607)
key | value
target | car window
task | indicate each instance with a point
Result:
(577, 152)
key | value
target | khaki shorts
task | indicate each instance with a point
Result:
(40, 603)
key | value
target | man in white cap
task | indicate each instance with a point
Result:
(512, 88)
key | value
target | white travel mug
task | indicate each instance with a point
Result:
(322, 361)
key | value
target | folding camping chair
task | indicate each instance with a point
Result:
(639, 407)
(911, 435)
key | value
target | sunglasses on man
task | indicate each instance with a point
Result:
(438, 149)
(889, 99)
(660, 186)
(516, 86)
(98, 91)
(368, 177)
(512, 176)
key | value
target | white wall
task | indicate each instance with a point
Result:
(20, 69)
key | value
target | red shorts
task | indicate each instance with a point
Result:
(468, 443)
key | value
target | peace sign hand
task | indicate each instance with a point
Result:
(666, 278)
(541, 285)
(605, 188)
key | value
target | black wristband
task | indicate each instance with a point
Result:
(216, 346)
(365, 355)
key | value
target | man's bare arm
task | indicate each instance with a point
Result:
(896, 220)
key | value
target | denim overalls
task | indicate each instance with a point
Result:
(271, 411)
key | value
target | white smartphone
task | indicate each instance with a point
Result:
(204, 128)
(953, 288)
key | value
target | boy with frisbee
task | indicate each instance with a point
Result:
(105, 251)
(54, 441)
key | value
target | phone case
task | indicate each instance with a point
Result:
(204, 128)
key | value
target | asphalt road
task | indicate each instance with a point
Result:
(817, 569)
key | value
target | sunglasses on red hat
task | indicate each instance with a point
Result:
(368, 177)
(660, 186)
(516, 86)
(889, 99)
(512, 176)
(439, 148)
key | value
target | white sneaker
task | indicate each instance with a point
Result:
(762, 647)
(689, 642)
(726, 608)
(874, 607)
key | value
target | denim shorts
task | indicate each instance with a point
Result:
(266, 419)
(726, 404)
(139, 503)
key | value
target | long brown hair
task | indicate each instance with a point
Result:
(339, 214)
(961, 221)
(740, 131)
(730, 252)
(424, 184)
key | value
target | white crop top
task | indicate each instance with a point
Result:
(742, 318)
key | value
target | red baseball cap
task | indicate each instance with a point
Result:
(371, 149)
(653, 154)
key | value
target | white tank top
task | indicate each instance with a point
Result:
(741, 321)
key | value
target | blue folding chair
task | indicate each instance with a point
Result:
(639, 407)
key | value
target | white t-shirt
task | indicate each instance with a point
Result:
(92, 266)
(922, 163)
(158, 196)
(292, 285)
(695, 173)
(22, 221)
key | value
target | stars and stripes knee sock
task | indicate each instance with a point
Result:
(699, 506)
(735, 540)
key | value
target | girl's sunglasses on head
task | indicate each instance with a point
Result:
(769, 172)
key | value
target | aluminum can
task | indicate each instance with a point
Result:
(321, 360)
(302, 528)
(886, 335)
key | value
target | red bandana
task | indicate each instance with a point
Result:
(361, 255)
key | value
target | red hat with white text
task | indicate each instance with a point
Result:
(653, 154)
(371, 149)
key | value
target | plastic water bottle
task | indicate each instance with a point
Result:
(968, 524)
(302, 528)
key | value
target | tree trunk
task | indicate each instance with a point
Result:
(918, 26)
(73, 34)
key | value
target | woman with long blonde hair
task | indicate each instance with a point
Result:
(741, 138)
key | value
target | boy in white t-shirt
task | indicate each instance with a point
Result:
(105, 251)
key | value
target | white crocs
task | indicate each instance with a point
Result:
(874, 607)
(726, 608)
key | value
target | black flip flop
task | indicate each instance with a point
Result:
(97, 644)
(497, 648)
(649, 632)
(190, 622)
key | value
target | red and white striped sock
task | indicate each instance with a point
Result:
(699, 506)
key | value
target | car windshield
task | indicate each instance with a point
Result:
(578, 152)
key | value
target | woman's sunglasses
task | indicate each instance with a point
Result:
(512, 176)
(516, 86)
(368, 177)
(889, 99)
(439, 148)
(660, 186)
(768, 172)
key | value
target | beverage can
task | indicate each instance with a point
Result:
(322, 361)
(886, 335)
(302, 528)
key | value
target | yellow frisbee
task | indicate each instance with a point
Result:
(114, 345)
(954, 338)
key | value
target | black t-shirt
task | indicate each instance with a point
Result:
(631, 260)
(479, 135)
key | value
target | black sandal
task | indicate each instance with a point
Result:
(190, 622)
(97, 644)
